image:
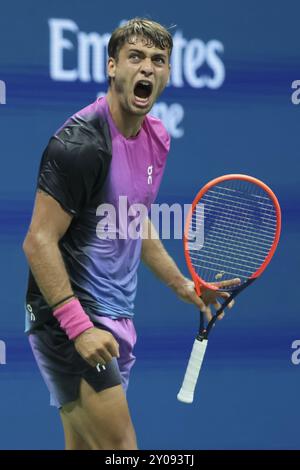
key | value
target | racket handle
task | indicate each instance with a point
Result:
(186, 393)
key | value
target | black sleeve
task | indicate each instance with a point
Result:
(71, 172)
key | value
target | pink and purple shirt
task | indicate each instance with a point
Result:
(86, 164)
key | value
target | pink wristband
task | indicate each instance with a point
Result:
(72, 318)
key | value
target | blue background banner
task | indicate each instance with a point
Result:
(230, 107)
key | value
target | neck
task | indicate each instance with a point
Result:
(127, 124)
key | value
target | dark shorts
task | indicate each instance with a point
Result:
(63, 368)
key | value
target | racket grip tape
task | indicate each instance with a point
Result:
(186, 393)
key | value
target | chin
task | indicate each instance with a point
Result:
(143, 112)
(140, 111)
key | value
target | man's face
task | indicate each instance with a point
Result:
(139, 75)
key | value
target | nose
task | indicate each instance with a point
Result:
(147, 67)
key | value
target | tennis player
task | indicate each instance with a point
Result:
(82, 285)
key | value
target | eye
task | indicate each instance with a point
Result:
(159, 60)
(134, 56)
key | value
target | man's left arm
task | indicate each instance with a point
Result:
(155, 256)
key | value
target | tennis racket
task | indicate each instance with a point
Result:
(232, 231)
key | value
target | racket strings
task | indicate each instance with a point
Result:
(239, 223)
(224, 220)
(268, 218)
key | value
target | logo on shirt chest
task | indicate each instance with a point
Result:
(149, 173)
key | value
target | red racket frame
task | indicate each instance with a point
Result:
(196, 278)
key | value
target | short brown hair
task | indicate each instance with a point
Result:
(154, 34)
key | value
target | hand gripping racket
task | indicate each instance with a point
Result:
(232, 231)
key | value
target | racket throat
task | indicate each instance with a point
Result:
(202, 336)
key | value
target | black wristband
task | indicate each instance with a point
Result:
(62, 300)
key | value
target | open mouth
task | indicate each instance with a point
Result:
(143, 89)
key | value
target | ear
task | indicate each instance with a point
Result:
(111, 67)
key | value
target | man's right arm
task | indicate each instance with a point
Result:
(49, 223)
(41, 246)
